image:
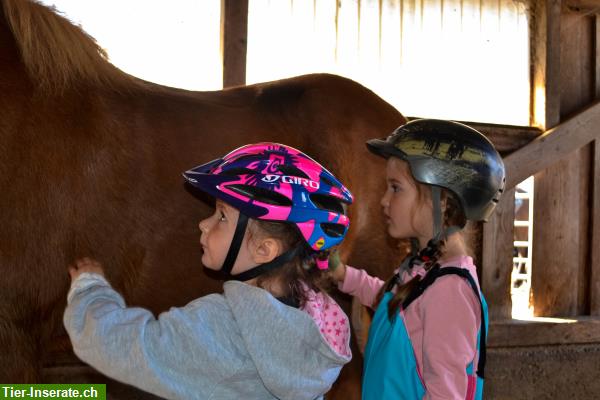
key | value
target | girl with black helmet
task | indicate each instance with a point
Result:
(427, 337)
(272, 334)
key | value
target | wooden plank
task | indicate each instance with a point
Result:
(506, 138)
(234, 38)
(577, 63)
(497, 264)
(545, 57)
(561, 239)
(556, 275)
(545, 50)
(597, 58)
(595, 235)
(583, 6)
(544, 332)
(581, 197)
(577, 92)
(595, 190)
(553, 145)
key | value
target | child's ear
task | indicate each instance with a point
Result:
(266, 250)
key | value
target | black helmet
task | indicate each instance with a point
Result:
(450, 155)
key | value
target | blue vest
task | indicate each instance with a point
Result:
(390, 367)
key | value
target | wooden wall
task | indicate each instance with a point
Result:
(565, 237)
(562, 229)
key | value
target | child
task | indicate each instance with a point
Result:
(427, 337)
(272, 333)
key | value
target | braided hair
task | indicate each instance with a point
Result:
(427, 257)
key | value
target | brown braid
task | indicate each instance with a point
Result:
(453, 216)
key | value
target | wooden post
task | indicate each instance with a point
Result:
(553, 284)
(553, 145)
(595, 211)
(595, 236)
(597, 58)
(583, 6)
(545, 55)
(556, 273)
(497, 263)
(234, 38)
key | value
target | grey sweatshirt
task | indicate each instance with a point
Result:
(240, 344)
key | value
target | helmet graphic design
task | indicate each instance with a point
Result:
(275, 182)
(452, 156)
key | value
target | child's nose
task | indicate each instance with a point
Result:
(203, 226)
(385, 200)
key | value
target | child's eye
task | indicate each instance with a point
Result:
(395, 188)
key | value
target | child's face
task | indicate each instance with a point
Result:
(216, 234)
(407, 213)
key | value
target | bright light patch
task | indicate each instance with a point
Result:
(171, 43)
(453, 59)
(522, 252)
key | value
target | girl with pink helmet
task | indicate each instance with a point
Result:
(274, 333)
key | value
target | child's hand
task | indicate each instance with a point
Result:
(85, 265)
(337, 267)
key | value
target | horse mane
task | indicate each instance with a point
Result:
(58, 55)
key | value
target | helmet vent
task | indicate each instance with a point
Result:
(292, 171)
(327, 203)
(238, 171)
(333, 230)
(263, 195)
(327, 181)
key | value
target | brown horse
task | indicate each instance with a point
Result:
(91, 161)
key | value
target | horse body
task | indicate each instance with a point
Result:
(91, 162)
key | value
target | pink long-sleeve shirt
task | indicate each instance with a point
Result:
(442, 324)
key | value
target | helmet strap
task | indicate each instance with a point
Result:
(236, 243)
(439, 232)
(234, 249)
(437, 213)
(260, 269)
(430, 253)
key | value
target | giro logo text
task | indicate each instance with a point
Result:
(291, 179)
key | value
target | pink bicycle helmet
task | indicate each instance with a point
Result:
(275, 182)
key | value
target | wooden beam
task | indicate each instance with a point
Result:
(595, 235)
(234, 38)
(544, 332)
(594, 278)
(545, 57)
(583, 6)
(597, 58)
(555, 283)
(497, 263)
(553, 145)
(506, 138)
